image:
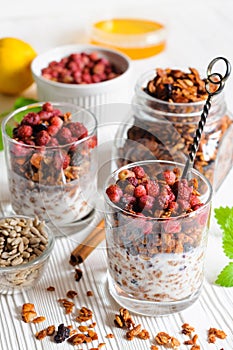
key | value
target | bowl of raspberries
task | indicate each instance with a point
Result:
(51, 157)
(86, 75)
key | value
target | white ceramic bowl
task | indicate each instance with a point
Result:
(84, 95)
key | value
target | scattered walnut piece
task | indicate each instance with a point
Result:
(82, 328)
(133, 332)
(50, 289)
(154, 347)
(41, 334)
(68, 305)
(71, 294)
(109, 336)
(50, 330)
(195, 347)
(174, 342)
(39, 319)
(92, 334)
(124, 319)
(162, 338)
(84, 315)
(76, 339)
(144, 334)
(92, 325)
(187, 329)
(101, 345)
(214, 333)
(28, 312)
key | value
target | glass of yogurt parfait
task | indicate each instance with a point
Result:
(51, 158)
(156, 235)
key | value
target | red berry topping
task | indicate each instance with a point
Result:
(139, 191)
(31, 119)
(42, 138)
(52, 130)
(169, 177)
(48, 107)
(146, 202)
(139, 172)
(65, 135)
(24, 131)
(78, 130)
(152, 188)
(114, 193)
(172, 226)
(56, 121)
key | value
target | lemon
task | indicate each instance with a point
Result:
(15, 60)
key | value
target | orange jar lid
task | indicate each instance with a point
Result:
(138, 38)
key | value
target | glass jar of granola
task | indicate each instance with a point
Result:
(166, 109)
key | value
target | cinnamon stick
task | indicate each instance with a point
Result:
(84, 249)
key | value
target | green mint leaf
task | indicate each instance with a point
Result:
(224, 217)
(23, 101)
(225, 278)
(222, 214)
(227, 240)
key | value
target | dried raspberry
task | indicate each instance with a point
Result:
(183, 205)
(66, 161)
(42, 138)
(78, 130)
(44, 115)
(61, 161)
(139, 191)
(31, 119)
(144, 224)
(53, 142)
(139, 172)
(146, 202)
(182, 190)
(20, 150)
(52, 130)
(56, 121)
(29, 142)
(24, 131)
(172, 226)
(65, 135)
(152, 188)
(169, 177)
(92, 142)
(47, 107)
(114, 193)
(194, 200)
(165, 197)
(173, 207)
(127, 201)
(197, 206)
(132, 180)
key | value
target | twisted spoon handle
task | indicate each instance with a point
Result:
(217, 81)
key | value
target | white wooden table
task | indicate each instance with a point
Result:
(197, 32)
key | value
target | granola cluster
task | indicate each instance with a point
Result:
(166, 129)
(124, 320)
(48, 150)
(143, 193)
(83, 334)
(176, 86)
